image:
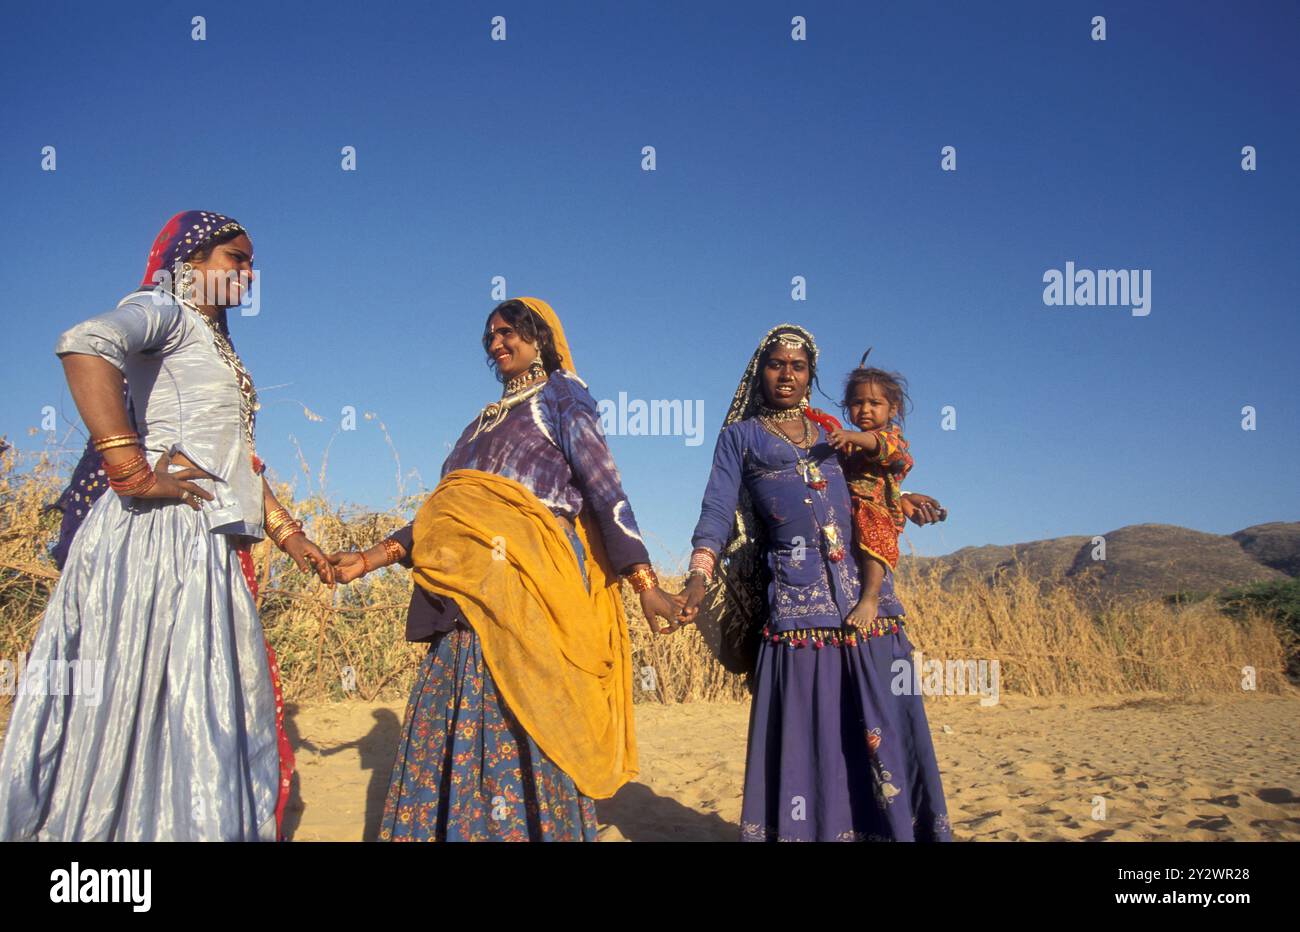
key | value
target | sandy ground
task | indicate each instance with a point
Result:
(1025, 769)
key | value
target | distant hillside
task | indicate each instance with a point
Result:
(1152, 559)
(1276, 545)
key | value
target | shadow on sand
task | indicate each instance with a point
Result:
(378, 748)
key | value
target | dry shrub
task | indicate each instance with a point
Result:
(317, 632)
(1054, 640)
(28, 481)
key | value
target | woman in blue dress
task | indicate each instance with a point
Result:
(833, 754)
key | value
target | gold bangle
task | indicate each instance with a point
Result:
(282, 530)
(280, 526)
(280, 513)
(280, 538)
(278, 520)
(642, 579)
(112, 443)
(365, 563)
(105, 443)
(393, 551)
(274, 522)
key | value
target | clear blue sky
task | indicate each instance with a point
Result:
(775, 158)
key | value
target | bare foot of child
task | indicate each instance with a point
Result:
(864, 613)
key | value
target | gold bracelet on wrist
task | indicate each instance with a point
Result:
(278, 520)
(128, 473)
(114, 440)
(280, 526)
(365, 564)
(283, 530)
(290, 531)
(113, 443)
(642, 579)
(393, 551)
(279, 513)
(275, 531)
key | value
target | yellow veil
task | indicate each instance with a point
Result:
(559, 655)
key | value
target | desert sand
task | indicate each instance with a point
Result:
(1169, 769)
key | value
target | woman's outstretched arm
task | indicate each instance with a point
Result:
(395, 548)
(717, 514)
(298, 546)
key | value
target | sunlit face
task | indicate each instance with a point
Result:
(785, 377)
(869, 407)
(511, 353)
(224, 277)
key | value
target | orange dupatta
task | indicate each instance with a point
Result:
(559, 655)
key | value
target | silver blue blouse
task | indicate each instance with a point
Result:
(185, 398)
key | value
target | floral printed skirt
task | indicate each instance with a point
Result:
(833, 754)
(466, 770)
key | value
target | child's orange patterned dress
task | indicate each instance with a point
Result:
(875, 484)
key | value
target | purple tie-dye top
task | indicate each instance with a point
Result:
(553, 445)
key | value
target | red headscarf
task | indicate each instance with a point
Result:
(185, 234)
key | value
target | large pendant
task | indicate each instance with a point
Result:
(834, 548)
(814, 477)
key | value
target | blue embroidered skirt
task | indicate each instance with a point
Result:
(466, 770)
(833, 755)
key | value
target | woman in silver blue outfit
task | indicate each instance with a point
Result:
(149, 708)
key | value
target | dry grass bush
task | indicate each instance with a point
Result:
(1058, 641)
(27, 575)
(1049, 641)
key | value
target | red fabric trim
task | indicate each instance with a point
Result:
(282, 737)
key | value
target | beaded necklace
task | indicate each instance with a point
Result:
(530, 375)
(516, 391)
(781, 414)
(248, 404)
(813, 478)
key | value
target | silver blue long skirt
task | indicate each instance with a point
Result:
(146, 712)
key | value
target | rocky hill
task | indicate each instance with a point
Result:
(1152, 559)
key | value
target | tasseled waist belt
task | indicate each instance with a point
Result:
(818, 638)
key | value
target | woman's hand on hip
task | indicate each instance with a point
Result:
(175, 485)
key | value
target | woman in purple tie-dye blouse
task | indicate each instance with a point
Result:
(467, 769)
